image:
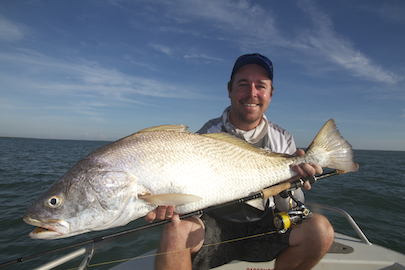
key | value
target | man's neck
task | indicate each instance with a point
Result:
(243, 125)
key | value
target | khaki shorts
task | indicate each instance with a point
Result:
(226, 241)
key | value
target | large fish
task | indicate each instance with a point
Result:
(167, 165)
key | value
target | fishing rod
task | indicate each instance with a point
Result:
(265, 193)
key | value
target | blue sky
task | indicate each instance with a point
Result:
(101, 70)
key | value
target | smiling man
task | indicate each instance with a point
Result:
(250, 92)
(194, 243)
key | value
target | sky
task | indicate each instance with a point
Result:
(102, 70)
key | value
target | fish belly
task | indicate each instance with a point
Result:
(215, 170)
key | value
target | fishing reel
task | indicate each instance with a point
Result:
(295, 215)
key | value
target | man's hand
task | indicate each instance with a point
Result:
(162, 213)
(305, 169)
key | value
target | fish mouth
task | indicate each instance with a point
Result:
(48, 229)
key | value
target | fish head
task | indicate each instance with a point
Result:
(88, 197)
(53, 213)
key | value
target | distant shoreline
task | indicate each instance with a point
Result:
(26, 138)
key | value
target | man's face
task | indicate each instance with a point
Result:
(250, 95)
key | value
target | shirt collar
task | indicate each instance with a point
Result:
(252, 136)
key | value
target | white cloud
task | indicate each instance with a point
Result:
(250, 26)
(80, 78)
(160, 48)
(202, 56)
(10, 31)
(236, 21)
(390, 12)
(323, 41)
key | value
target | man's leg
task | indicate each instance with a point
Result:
(309, 242)
(179, 243)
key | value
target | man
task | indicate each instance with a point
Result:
(301, 247)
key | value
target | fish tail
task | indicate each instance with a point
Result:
(338, 151)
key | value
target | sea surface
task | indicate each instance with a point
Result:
(374, 196)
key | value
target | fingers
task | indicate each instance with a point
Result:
(299, 152)
(151, 216)
(318, 168)
(175, 220)
(161, 213)
(306, 186)
(306, 169)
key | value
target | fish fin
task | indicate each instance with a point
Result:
(243, 144)
(174, 128)
(338, 150)
(232, 139)
(170, 199)
(257, 203)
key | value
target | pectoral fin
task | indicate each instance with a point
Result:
(257, 203)
(170, 199)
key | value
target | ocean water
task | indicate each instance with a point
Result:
(374, 196)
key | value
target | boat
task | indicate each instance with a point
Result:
(347, 252)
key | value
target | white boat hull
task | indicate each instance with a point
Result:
(346, 253)
(364, 256)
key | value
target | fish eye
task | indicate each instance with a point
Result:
(54, 201)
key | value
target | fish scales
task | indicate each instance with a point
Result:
(167, 165)
(210, 168)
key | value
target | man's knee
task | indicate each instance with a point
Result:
(321, 231)
(315, 231)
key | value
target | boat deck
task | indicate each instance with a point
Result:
(363, 256)
(356, 255)
(346, 253)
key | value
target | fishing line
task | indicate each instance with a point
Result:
(179, 250)
(271, 191)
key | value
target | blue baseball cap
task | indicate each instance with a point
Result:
(254, 58)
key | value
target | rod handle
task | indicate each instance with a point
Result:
(274, 190)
